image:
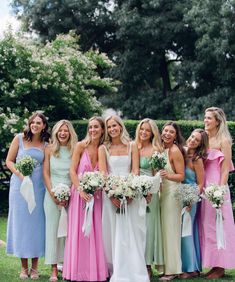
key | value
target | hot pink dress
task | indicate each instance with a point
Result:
(211, 256)
(84, 258)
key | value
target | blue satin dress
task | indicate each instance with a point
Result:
(190, 245)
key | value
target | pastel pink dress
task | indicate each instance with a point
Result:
(84, 258)
(211, 256)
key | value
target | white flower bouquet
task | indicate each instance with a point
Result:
(62, 193)
(158, 160)
(90, 182)
(187, 195)
(120, 187)
(26, 166)
(215, 194)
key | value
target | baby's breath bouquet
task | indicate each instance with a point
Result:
(215, 194)
(90, 182)
(158, 160)
(120, 188)
(62, 193)
(187, 195)
(26, 165)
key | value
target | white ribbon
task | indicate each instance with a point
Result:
(186, 223)
(87, 224)
(62, 228)
(219, 230)
(156, 183)
(142, 207)
(27, 191)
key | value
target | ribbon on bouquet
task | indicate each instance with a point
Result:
(219, 230)
(27, 191)
(186, 223)
(142, 214)
(156, 183)
(62, 228)
(87, 224)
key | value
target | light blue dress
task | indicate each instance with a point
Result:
(190, 245)
(25, 231)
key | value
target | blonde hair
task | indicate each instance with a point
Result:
(55, 144)
(87, 139)
(155, 138)
(222, 128)
(125, 138)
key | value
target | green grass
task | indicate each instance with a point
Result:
(10, 266)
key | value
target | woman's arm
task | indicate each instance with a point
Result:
(102, 160)
(178, 163)
(135, 159)
(11, 157)
(199, 170)
(226, 163)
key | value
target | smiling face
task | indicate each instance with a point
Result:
(168, 135)
(145, 132)
(210, 122)
(114, 128)
(95, 130)
(36, 126)
(63, 135)
(194, 140)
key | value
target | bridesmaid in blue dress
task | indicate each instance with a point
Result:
(197, 145)
(25, 231)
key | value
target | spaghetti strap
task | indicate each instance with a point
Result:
(21, 143)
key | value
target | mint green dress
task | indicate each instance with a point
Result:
(154, 249)
(59, 172)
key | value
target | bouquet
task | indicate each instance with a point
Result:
(26, 166)
(90, 182)
(62, 193)
(215, 193)
(158, 161)
(120, 187)
(187, 195)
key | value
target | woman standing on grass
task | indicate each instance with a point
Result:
(25, 230)
(148, 141)
(196, 153)
(217, 167)
(56, 171)
(84, 258)
(172, 175)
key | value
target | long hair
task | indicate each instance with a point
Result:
(155, 138)
(222, 128)
(125, 138)
(179, 139)
(44, 136)
(55, 144)
(201, 150)
(87, 139)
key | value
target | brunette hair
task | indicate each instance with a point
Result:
(44, 136)
(201, 150)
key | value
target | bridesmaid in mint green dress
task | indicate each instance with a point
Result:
(148, 140)
(56, 171)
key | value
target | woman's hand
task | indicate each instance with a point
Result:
(163, 173)
(149, 198)
(188, 208)
(86, 197)
(116, 202)
(56, 201)
(64, 203)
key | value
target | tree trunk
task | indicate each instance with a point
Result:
(166, 84)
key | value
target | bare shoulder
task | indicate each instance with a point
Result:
(225, 143)
(80, 146)
(133, 145)
(175, 149)
(102, 148)
(198, 162)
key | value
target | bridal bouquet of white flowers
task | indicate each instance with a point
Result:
(215, 194)
(142, 184)
(25, 166)
(187, 195)
(62, 193)
(158, 160)
(90, 182)
(120, 187)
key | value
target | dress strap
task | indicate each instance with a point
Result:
(21, 143)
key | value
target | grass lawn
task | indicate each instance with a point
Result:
(10, 266)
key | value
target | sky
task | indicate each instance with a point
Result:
(7, 17)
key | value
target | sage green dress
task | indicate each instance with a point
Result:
(59, 172)
(171, 224)
(153, 251)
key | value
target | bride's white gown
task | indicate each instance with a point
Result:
(124, 235)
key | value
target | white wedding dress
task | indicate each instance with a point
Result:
(124, 234)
